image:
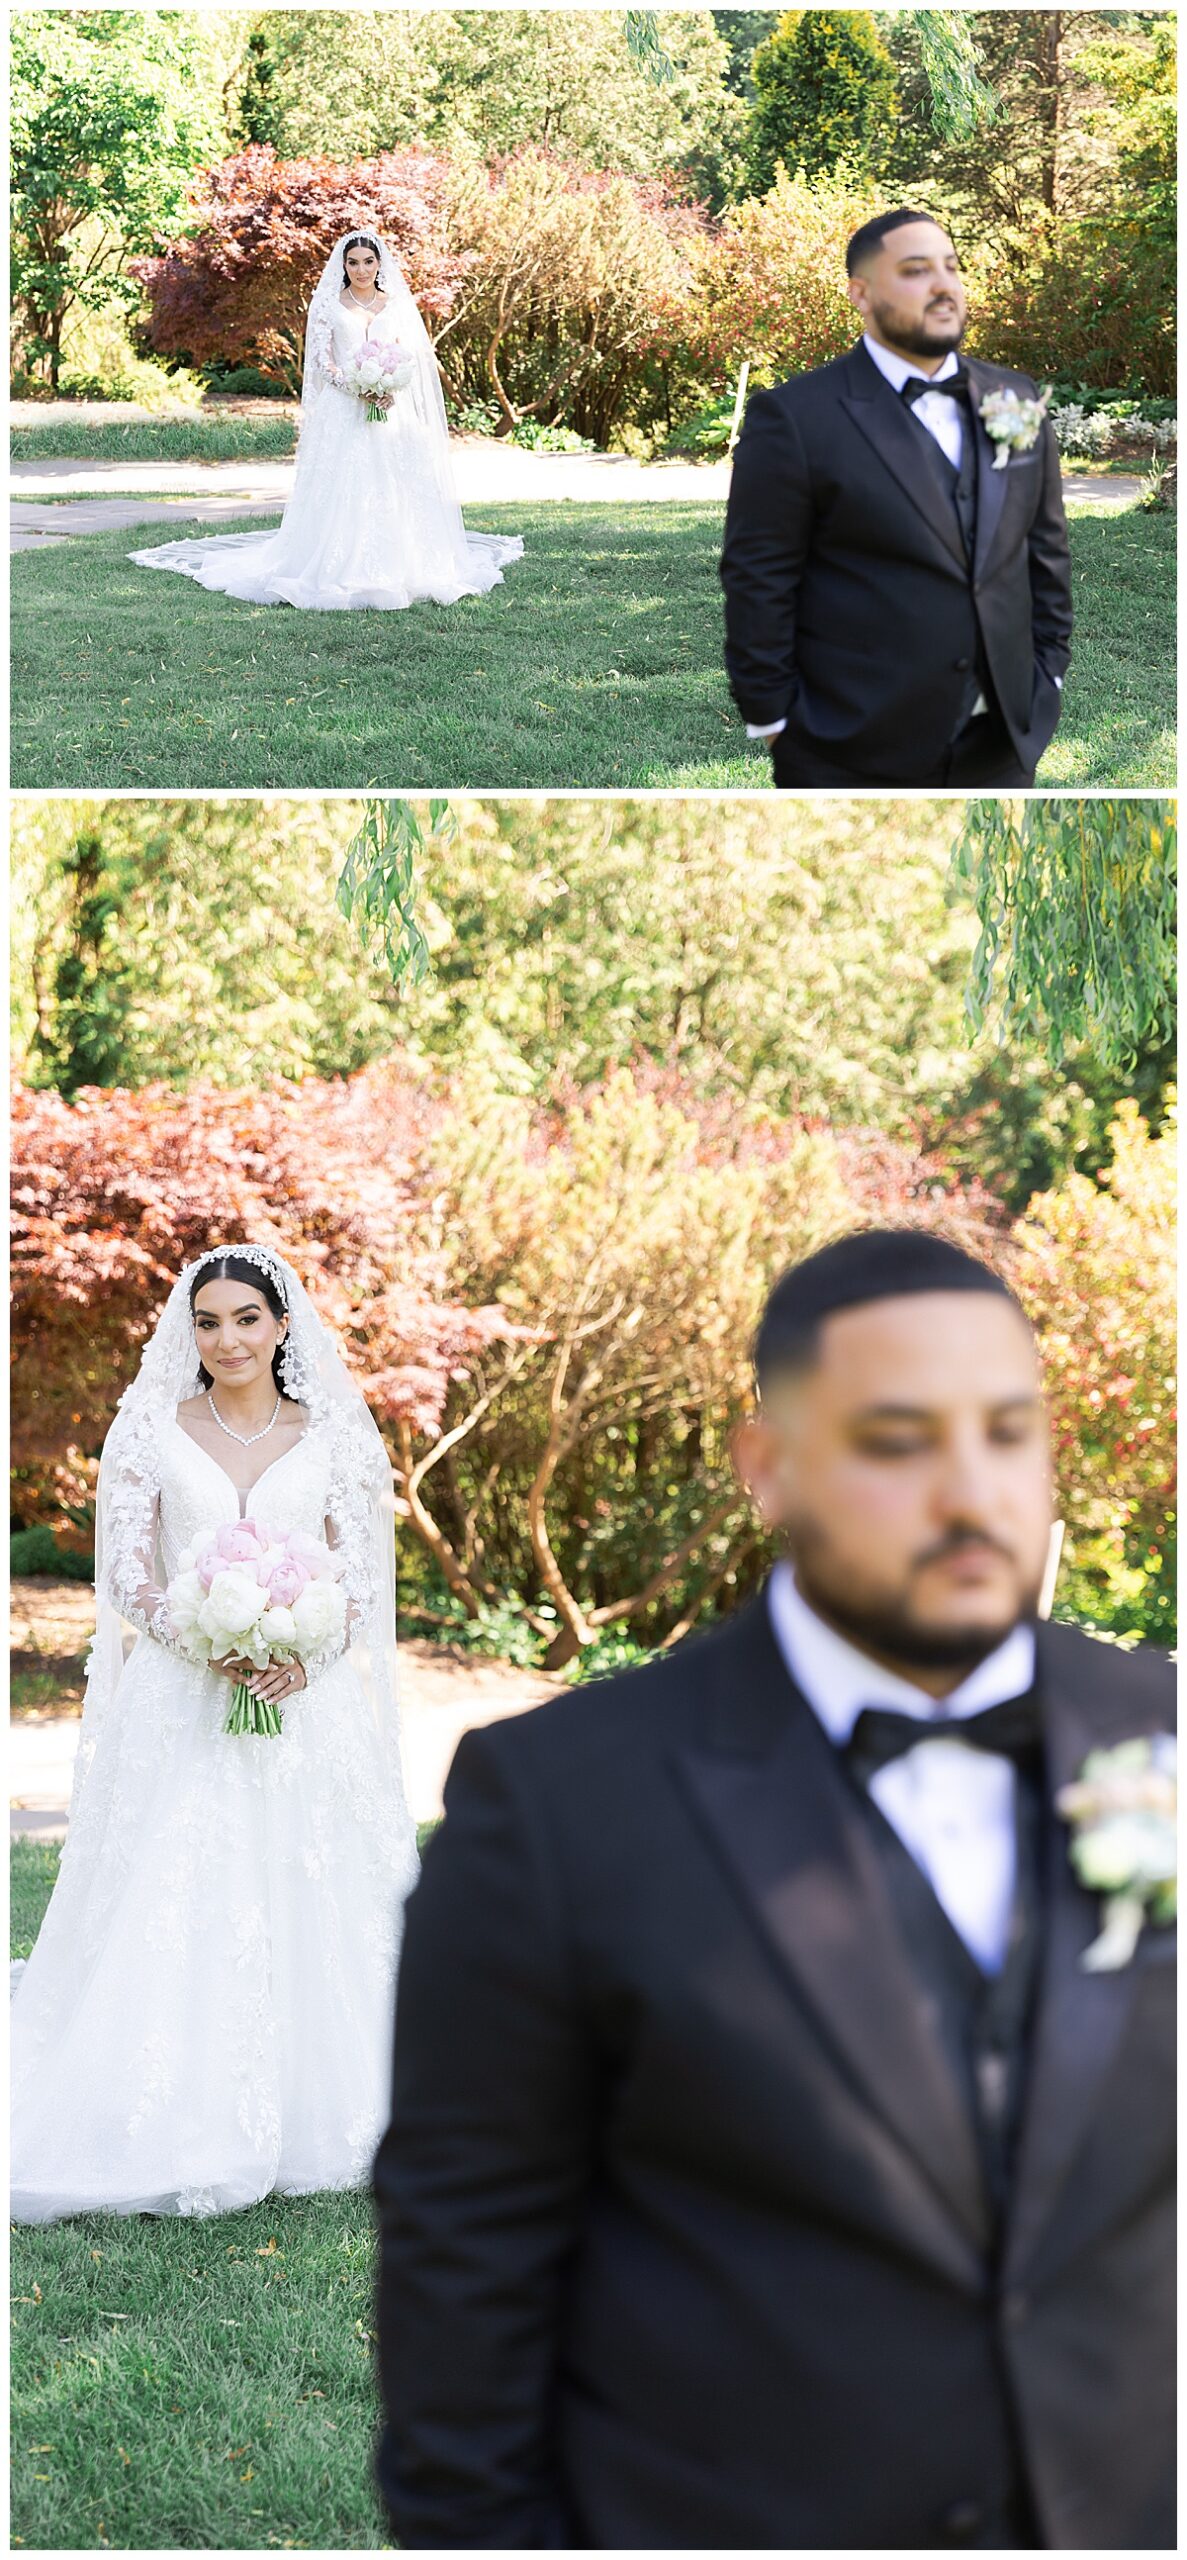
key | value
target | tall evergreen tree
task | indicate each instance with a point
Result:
(825, 91)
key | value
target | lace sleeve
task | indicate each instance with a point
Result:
(350, 1525)
(130, 1551)
(321, 341)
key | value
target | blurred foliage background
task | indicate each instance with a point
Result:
(661, 1048)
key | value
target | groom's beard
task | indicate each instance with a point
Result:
(934, 337)
(884, 1622)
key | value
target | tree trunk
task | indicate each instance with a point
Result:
(1048, 68)
(443, 1555)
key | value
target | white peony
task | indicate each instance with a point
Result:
(319, 1614)
(368, 374)
(278, 1626)
(233, 1604)
(186, 1599)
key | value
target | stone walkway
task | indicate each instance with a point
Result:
(86, 495)
(443, 1692)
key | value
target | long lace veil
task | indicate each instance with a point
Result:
(424, 392)
(314, 1375)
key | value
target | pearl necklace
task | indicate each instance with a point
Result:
(246, 1439)
(363, 306)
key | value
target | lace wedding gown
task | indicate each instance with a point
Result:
(373, 519)
(206, 2017)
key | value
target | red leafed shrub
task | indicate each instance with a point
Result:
(236, 290)
(114, 1193)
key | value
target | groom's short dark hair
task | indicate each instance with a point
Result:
(877, 1262)
(872, 234)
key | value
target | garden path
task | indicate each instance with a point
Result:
(85, 495)
(443, 1693)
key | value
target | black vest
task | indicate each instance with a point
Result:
(983, 2020)
(960, 490)
(984, 2023)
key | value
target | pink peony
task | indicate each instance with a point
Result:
(237, 1542)
(310, 1554)
(286, 1582)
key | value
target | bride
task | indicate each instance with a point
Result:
(206, 2017)
(373, 519)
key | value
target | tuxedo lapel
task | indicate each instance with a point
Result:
(886, 423)
(1081, 2017)
(769, 1789)
(991, 484)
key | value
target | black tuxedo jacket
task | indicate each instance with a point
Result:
(684, 2238)
(851, 606)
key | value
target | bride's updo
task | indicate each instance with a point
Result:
(360, 240)
(242, 1266)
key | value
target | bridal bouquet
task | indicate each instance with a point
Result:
(373, 372)
(272, 1595)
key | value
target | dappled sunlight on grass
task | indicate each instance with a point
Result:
(597, 664)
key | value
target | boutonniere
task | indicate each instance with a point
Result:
(1013, 425)
(1122, 1810)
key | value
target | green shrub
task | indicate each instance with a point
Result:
(1094, 298)
(705, 434)
(500, 1632)
(476, 418)
(609, 1652)
(38, 1550)
(535, 438)
(243, 382)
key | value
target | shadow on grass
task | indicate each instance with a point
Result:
(596, 665)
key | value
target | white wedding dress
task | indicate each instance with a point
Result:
(206, 2017)
(373, 520)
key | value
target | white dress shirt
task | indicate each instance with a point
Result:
(940, 416)
(951, 1804)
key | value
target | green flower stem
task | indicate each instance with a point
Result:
(250, 1714)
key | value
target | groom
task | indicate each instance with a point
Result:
(898, 608)
(766, 2169)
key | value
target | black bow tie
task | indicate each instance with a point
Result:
(955, 388)
(881, 1734)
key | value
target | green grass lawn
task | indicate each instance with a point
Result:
(199, 439)
(191, 2385)
(597, 665)
(1118, 725)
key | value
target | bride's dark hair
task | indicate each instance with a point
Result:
(239, 1266)
(359, 240)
